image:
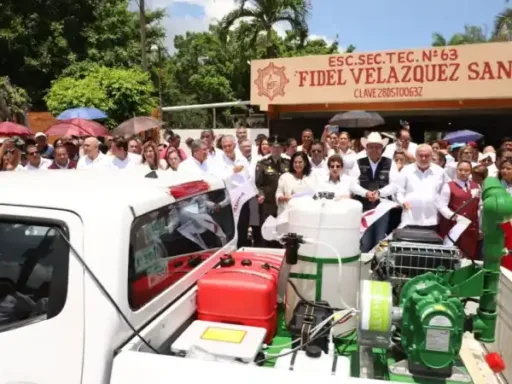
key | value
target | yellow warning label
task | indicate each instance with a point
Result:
(224, 335)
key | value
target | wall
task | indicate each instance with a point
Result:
(40, 121)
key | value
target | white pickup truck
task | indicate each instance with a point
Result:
(98, 274)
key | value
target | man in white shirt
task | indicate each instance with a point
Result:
(419, 185)
(93, 158)
(234, 169)
(232, 165)
(121, 158)
(197, 163)
(254, 221)
(403, 142)
(35, 161)
(208, 137)
(319, 168)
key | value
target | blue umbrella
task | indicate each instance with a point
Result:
(82, 113)
(464, 136)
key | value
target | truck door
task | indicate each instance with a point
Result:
(41, 297)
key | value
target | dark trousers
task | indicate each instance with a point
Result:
(257, 240)
(243, 226)
(375, 233)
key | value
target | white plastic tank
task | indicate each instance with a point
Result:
(334, 224)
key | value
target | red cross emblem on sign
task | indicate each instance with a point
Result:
(364, 222)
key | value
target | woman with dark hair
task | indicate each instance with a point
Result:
(453, 206)
(505, 174)
(297, 180)
(263, 148)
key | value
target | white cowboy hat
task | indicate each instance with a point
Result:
(374, 138)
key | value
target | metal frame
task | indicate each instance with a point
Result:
(207, 106)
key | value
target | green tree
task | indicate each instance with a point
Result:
(39, 39)
(122, 93)
(503, 26)
(206, 70)
(472, 35)
(263, 16)
(14, 101)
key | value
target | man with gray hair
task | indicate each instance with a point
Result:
(197, 163)
(419, 185)
(233, 167)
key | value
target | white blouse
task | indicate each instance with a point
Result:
(343, 187)
(444, 198)
(288, 185)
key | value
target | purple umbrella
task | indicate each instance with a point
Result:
(464, 136)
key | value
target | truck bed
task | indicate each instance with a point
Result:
(135, 361)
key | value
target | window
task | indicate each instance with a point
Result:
(168, 243)
(34, 261)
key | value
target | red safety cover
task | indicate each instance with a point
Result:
(244, 293)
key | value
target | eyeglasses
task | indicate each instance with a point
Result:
(9, 152)
(335, 166)
(34, 153)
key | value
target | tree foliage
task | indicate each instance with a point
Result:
(472, 35)
(39, 39)
(214, 66)
(503, 26)
(83, 53)
(121, 93)
(263, 15)
(14, 101)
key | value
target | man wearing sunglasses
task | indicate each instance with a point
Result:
(35, 161)
(318, 164)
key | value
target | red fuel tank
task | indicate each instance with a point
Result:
(242, 291)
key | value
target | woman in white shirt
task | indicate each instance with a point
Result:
(297, 180)
(466, 153)
(151, 158)
(343, 186)
(461, 198)
(172, 159)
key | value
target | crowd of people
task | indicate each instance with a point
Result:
(431, 182)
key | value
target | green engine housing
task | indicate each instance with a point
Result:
(432, 325)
